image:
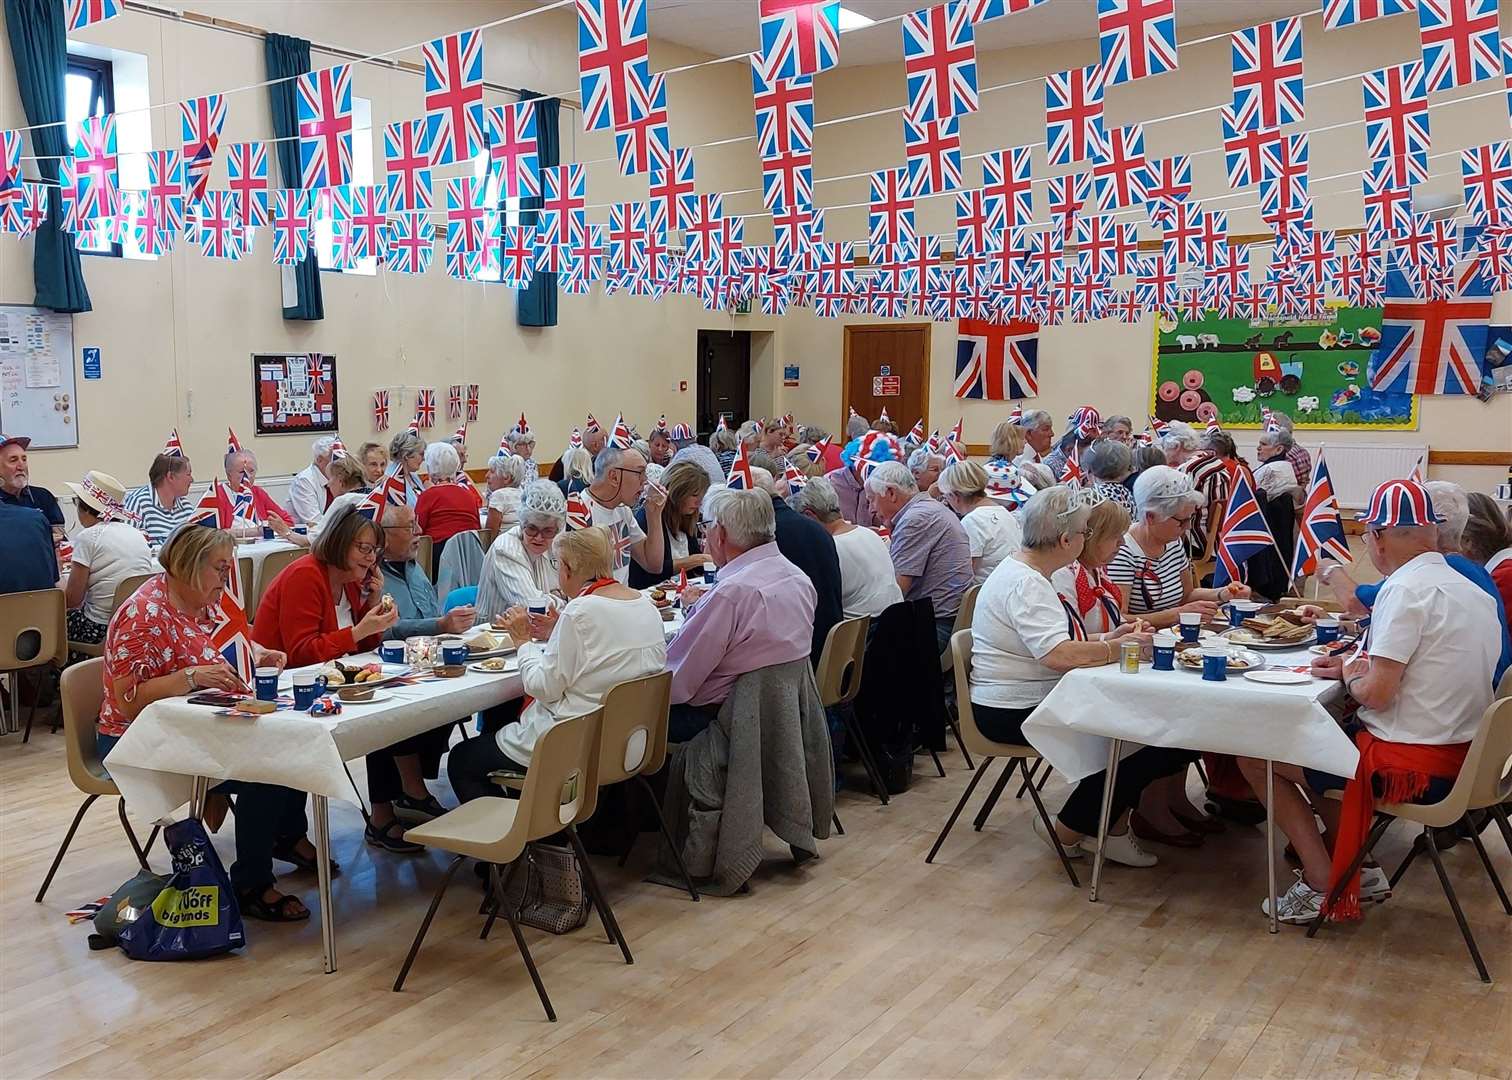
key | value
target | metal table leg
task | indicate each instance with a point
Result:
(1270, 844)
(1115, 747)
(198, 795)
(323, 871)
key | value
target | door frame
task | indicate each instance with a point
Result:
(845, 369)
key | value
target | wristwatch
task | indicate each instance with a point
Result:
(189, 678)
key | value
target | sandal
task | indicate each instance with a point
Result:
(427, 808)
(391, 838)
(254, 906)
(290, 854)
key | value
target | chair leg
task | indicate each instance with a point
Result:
(1030, 773)
(67, 839)
(136, 848)
(992, 796)
(1501, 893)
(1372, 838)
(955, 729)
(1459, 915)
(976, 778)
(361, 804)
(1412, 853)
(666, 832)
(1500, 813)
(835, 820)
(1060, 849)
(1039, 785)
(606, 916)
(938, 766)
(1201, 772)
(151, 839)
(430, 914)
(868, 759)
(497, 897)
(31, 714)
(514, 928)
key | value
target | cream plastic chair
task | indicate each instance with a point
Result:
(839, 681)
(1018, 754)
(249, 586)
(33, 634)
(423, 552)
(1484, 783)
(83, 688)
(560, 789)
(962, 622)
(273, 564)
(124, 589)
(634, 743)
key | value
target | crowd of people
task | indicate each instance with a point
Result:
(1077, 543)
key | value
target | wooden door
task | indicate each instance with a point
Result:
(724, 378)
(876, 355)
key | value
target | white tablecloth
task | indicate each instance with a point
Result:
(1088, 707)
(258, 550)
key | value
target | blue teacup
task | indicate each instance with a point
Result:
(1191, 626)
(306, 689)
(392, 652)
(265, 680)
(453, 651)
(1327, 631)
(1165, 654)
(302, 530)
(267, 532)
(1239, 610)
(1215, 665)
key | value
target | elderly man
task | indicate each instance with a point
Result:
(931, 554)
(759, 613)
(16, 487)
(309, 497)
(1039, 435)
(807, 545)
(241, 468)
(420, 612)
(926, 467)
(1422, 683)
(619, 476)
(162, 503)
(31, 557)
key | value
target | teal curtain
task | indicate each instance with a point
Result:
(537, 305)
(39, 47)
(288, 56)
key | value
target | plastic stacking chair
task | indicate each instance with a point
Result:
(1484, 783)
(33, 634)
(962, 622)
(424, 553)
(1018, 754)
(123, 591)
(839, 680)
(273, 564)
(83, 688)
(560, 789)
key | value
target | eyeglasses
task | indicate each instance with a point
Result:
(633, 472)
(535, 532)
(366, 549)
(1186, 522)
(408, 526)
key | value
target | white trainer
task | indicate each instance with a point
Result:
(1121, 848)
(1072, 851)
(1300, 904)
(1375, 886)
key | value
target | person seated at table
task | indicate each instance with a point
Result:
(1145, 456)
(577, 466)
(445, 509)
(619, 476)
(760, 611)
(1107, 463)
(308, 494)
(595, 438)
(522, 444)
(859, 456)
(686, 484)
(1296, 453)
(926, 466)
(868, 585)
(1024, 638)
(930, 552)
(345, 484)
(157, 648)
(407, 453)
(1180, 442)
(329, 604)
(420, 613)
(241, 471)
(506, 478)
(16, 487)
(607, 633)
(1085, 584)
(374, 461)
(992, 530)
(690, 450)
(31, 555)
(771, 440)
(1422, 681)
(107, 550)
(520, 567)
(808, 546)
(1007, 443)
(1275, 475)
(1119, 429)
(1082, 428)
(724, 443)
(162, 503)
(659, 444)
(1039, 437)
(1487, 540)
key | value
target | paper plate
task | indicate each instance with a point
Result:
(1278, 675)
(1256, 642)
(506, 670)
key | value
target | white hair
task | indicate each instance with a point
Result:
(766, 480)
(441, 461)
(892, 476)
(747, 517)
(321, 447)
(577, 464)
(1038, 475)
(508, 467)
(1108, 459)
(1047, 517)
(1164, 492)
(1179, 434)
(1036, 418)
(918, 461)
(818, 498)
(1452, 505)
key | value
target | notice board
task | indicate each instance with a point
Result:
(37, 391)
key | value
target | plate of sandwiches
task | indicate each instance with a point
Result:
(1282, 630)
(1239, 659)
(484, 644)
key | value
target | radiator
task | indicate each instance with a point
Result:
(1356, 468)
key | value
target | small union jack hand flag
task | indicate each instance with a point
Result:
(1460, 42)
(1321, 532)
(325, 126)
(381, 409)
(612, 62)
(740, 472)
(173, 447)
(454, 96)
(798, 37)
(1137, 37)
(82, 13)
(200, 120)
(425, 409)
(1243, 534)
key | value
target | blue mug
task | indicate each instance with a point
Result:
(267, 532)
(1215, 668)
(302, 530)
(265, 679)
(1327, 631)
(305, 693)
(1191, 626)
(1165, 656)
(711, 575)
(453, 651)
(392, 652)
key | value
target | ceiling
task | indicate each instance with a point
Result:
(729, 27)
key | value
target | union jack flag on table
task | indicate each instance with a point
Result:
(217, 225)
(95, 165)
(939, 59)
(82, 13)
(798, 37)
(1137, 38)
(229, 632)
(1337, 13)
(425, 409)
(200, 121)
(213, 511)
(612, 65)
(1321, 532)
(1268, 85)
(406, 156)
(1460, 42)
(165, 189)
(1433, 346)
(1008, 188)
(672, 198)
(1074, 114)
(1396, 122)
(324, 100)
(1119, 172)
(740, 472)
(1487, 174)
(891, 216)
(454, 96)
(248, 171)
(1244, 532)
(933, 152)
(647, 140)
(392, 490)
(244, 505)
(369, 207)
(514, 158)
(996, 361)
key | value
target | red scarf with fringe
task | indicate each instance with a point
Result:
(1404, 771)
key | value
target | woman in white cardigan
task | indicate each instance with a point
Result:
(607, 633)
(521, 568)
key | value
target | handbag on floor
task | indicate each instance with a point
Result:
(548, 891)
(194, 914)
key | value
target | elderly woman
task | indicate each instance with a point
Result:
(407, 451)
(107, 550)
(1211, 470)
(606, 634)
(1025, 637)
(158, 647)
(867, 583)
(991, 528)
(162, 504)
(506, 478)
(724, 443)
(374, 461)
(926, 466)
(773, 439)
(1085, 585)
(445, 508)
(1107, 464)
(1035, 474)
(1179, 442)
(522, 445)
(1007, 443)
(1119, 429)
(577, 470)
(520, 568)
(1275, 475)
(1144, 457)
(686, 484)
(1487, 539)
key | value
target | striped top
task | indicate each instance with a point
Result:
(157, 522)
(1149, 584)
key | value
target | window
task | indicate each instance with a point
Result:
(327, 235)
(90, 89)
(100, 81)
(510, 215)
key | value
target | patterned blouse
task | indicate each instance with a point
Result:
(149, 637)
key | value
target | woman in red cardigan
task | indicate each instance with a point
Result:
(329, 604)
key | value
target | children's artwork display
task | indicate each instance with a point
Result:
(294, 393)
(1313, 370)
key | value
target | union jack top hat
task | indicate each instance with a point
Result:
(1403, 504)
(1087, 421)
(682, 433)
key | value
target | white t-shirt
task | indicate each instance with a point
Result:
(994, 533)
(307, 495)
(624, 531)
(868, 585)
(506, 500)
(1018, 620)
(678, 541)
(113, 551)
(1444, 627)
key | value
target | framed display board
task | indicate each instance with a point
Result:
(294, 393)
(38, 396)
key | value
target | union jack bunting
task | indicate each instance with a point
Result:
(454, 406)
(612, 63)
(1433, 346)
(703, 229)
(1167, 181)
(1106, 247)
(484, 263)
(1430, 245)
(564, 209)
(248, 171)
(890, 219)
(1337, 13)
(1460, 42)
(933, 151)
(997, 361)
(796, 230)
(1493, 254)
(1315, 258)
(95, 164)
(1156, 283)
(517, 255)
(1137, 37)
(381, 409)
(1007, 188)
(1321, 532)
(1396, 122)
(1047, 255)
(836, 277)
(645, 140)
(454, 96)
(1023, 294)
(406, 156)
(23, 216)
(369, 212)
(1244, 148)
(671, 192)
(291, 223)
(1244, 532)
(787, 180)
(513, 150)
(627, 235)
(946, 293)
(1074, 114)
(1357, 285)
(82, 13)
(1119, 172)
(1124, 305)
(136, 225)
(1229, 274)
(464, 214)
(425, 409)
(324, 100)
(1487, 174)
(939, 59)
(165, 189)
(798, 37)
(68, 195)
(1068, 194)
(1506, 53)
(217, 225)
(784, 113)
(200, 121)
(972, 233)
(10, 159)
(1388, 206)
(1267, 63)
(1286, 160)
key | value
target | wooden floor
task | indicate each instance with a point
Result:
(865, 962)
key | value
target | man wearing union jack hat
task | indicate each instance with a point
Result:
(1422, 678)
(16, 487)
(1083, 427)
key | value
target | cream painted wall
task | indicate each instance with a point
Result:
(177, 334)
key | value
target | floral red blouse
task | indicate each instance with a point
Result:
(149, 638)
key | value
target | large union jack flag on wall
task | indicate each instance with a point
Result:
(939, 57)
(996, 361)
(325, 127)
(798, 37)
(1137, 37)
(1433, 346)
(612, 63)
(454, 96)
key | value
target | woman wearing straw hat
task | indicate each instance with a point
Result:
(107, 549)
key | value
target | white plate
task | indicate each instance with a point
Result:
(1276, 646)
(507, 670)
(378, 695)
(1255, 660)
(1278, 675)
